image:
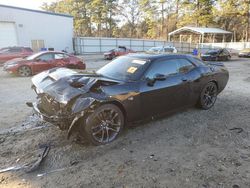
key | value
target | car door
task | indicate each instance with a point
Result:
(43, 62)
(164, 95)
(61, 60)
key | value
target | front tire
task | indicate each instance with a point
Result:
(208, 96)
(24, 71)
(104, 125)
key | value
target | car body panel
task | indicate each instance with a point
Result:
(77, 95)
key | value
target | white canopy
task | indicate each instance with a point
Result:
(200, 30)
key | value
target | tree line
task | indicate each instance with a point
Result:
(153, 18)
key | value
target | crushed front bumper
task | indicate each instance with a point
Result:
(62, 121)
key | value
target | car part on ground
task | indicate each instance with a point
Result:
(128, 89)
(32, 166)
(42, 61)
(121, 50)
(216, 55)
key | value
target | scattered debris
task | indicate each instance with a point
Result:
(236, 186)
(2, 140)
(52, 171)
(12, 168)
(35, 165)
(75, 162)
(151, 156)
(237, 128)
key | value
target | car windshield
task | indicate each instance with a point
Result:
(33, 56)
(124, 68)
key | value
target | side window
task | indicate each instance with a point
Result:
(59, 56)
(184, 65)
(167, 67)
(122, 49)
(169, 50)
(66, 56)
(225, 52)
(47, 57)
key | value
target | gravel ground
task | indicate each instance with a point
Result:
(191, 148)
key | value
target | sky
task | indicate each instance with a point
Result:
(31, 4)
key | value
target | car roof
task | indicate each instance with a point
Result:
(55, 52)
(153, 57)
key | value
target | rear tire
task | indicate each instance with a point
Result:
(24, 71)
(104, 125)
(208, 96)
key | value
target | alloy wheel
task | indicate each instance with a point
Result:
(107, 124)
(209, 96)
(24, 71)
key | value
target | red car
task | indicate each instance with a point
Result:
(121, 50)
(42, 61)
(14, 52)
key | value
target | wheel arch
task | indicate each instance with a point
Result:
(119, 105)
(216, 83)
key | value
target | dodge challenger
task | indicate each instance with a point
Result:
(128, 89)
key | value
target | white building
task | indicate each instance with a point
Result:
(35, 29)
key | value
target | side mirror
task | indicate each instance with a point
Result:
(157, 77)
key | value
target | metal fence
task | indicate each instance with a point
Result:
(85, 45)
(88, 45)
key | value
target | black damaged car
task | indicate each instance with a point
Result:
(128, 89)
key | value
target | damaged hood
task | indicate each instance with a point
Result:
(63, 84)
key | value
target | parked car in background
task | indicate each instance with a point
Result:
(121, 50)
(42, 61)
(162, 49)
(128, 89)
(216, 55)
(9, 53)
(244, 53)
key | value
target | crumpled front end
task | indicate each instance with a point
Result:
(61, 115)
(64, 96)
(58, 101)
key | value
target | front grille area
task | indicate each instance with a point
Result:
(49, 105)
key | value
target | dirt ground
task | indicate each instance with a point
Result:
(192, 148)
